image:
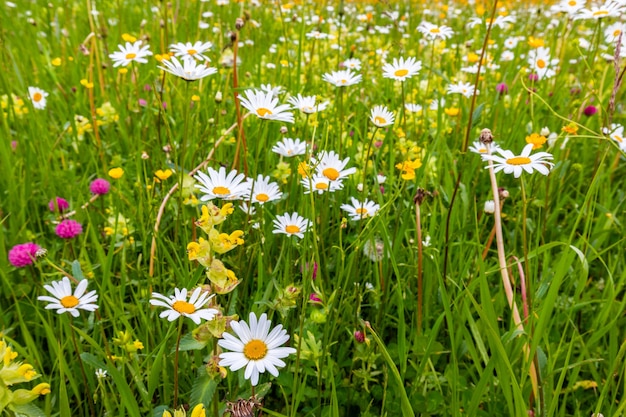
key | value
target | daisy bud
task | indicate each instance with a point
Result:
(503, 193)
(490, 207)
(544, 131)
(284, 130)
(486, 136)
(144, 155)
(218, 97)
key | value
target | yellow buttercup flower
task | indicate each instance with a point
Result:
(116, 173)
(535, 42)
(408, 168)
(128, 38)
(452, 111)
(85, 83)
(56, 62)
(163, 175)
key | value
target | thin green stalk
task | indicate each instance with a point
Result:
(180, 333)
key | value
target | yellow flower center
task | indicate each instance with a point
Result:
(617, 32)
(618, 138)
(262, 197)
(321, 186)
(130, 56)
(292, 228)
(361, 211)
(192, 51)
(69, 301)
(221, 190)
(541, 63)
(37, 96)
(263, 112)
(518, 160)
(343, 81)
(572, 3)
(435, 30)
(255, 349)
(380, 120)
(401, 72)
(331, 173)
(183, 307)
(600, 13)
(482, 150)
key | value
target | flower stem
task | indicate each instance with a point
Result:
(180, 333)
(88, 396)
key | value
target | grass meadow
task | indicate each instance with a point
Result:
(427, 197)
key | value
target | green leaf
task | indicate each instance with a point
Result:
(27, 410)
(203, 390)
(77, 271)
(188, 342)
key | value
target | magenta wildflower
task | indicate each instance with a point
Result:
(68, 229)
(533, 76)
(502, 88)
(315, 299)
(99, 186)
(58, 204)
(590, 110)
(359, 336)
(24, 254)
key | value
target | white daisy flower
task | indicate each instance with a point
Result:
(516, 164)
(291, 224)
(342, 78)
(381, 116)
(188, 70)
(466, 89)
(360, 210)
(219, 185)
(435, 32)
(130, 52)
(608, 9)
(38, 97)
(177, 305)
(262, 190)
(483, 148)
(255, 347)
(540, 62)
(352, 63)
(306, 104)
(66, 301)
(265, 106)
(413, 108)
(617, 134)
(402, 69)
(329, 165)
(268, 88)
(613, 32)
(189, 50)
(320, 184)
(571, 7)
(290, 147)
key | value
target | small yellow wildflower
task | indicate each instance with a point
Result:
(122, 71)
(408, 168)
(535, 42)
(56, 62)
(224, 242)
(85, 83)
(163, 175)
(304, 169)
(536, 139)
(452, 111)
(195, 97)
(129, 38)
(570, 129)
(116, 173)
